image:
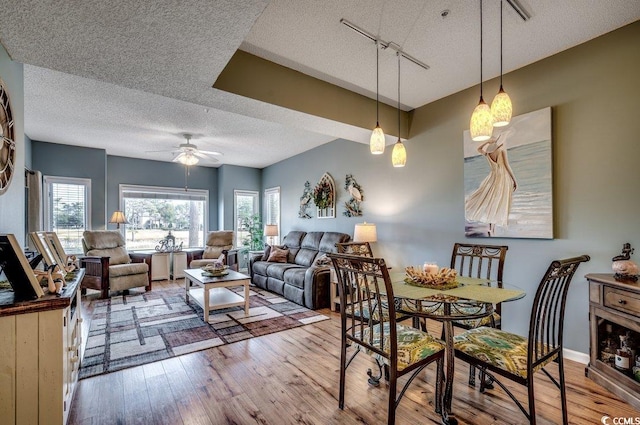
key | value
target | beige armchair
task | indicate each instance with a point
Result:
(108, 265)
(218, 242)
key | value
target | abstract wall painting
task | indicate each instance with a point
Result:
(508, 180)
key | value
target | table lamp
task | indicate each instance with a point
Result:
(118, 218)
(365, 232)
(271, 230)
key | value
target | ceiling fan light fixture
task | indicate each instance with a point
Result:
(187, 158)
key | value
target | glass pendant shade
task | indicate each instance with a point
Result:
(377, 141)
(399, 154)
(481, 125)
(501, 109)
(188, 159)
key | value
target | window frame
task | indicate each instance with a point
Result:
(165, 190)
(267, 192)
(48, 181)
(256, 210)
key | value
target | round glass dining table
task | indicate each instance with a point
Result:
(472, 299)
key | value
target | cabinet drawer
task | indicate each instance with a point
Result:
(622, 300)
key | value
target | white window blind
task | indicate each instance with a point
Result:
(272, 209)
(67, 210)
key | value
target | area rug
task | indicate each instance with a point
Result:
(131, 330)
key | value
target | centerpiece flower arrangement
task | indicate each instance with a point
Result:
(322, 195)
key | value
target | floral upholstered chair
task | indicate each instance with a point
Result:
(515, 357)
(400, 349)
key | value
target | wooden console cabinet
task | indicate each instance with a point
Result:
(618, 304)
(40, 349)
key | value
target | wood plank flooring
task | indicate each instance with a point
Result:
(291, 377)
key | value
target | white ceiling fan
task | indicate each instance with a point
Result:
(189, 154)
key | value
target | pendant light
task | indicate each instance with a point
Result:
(399, 154)
(501, 107)
(377, 141)
(481, 125)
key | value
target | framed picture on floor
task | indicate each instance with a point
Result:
(508, 180)
(17, 270)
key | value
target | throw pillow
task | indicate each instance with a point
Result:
(278, 254)
(322, 260)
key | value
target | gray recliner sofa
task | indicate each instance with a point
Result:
(304, 278)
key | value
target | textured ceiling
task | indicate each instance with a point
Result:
(133, 76)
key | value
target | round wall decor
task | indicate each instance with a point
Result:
(8, 147)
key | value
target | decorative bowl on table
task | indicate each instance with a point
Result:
(444, 278)
(215, 270)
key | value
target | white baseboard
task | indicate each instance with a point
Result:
(576, 356)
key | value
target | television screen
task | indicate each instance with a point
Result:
(17, 270)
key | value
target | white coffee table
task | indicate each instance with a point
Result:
(211, 293)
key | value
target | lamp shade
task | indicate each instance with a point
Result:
(377, 141)
(365, 232)
(481, 125)
(501, 109)
(271, 230)
(118, 218)
(399, 154)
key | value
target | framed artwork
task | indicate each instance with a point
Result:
(17, 270)
(508, 180)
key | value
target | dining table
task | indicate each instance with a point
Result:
(470, 299)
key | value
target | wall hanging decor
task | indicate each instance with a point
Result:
(8, 147)
(508, 180)
(324, 197)
(352, 206)
(307, 196)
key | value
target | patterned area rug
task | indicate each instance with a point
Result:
(131, 330)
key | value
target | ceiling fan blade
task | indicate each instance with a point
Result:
(211, 152)
(164, 150)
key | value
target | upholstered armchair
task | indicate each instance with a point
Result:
(108, 266)
(218, 242)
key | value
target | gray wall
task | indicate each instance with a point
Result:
(53, 159)
(230, 178)
(12, 216)
(122, 170)
(419, 210)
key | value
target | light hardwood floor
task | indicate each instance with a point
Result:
(291, 377)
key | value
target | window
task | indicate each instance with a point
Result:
(272, 211)
(154, 212)
(67, 210)
(246, 209)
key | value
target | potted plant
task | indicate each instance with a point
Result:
(254, 241)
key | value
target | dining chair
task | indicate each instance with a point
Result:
(404, 349)
(515, 357)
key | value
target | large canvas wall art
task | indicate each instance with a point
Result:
(508, 180)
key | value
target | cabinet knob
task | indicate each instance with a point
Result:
(623, 302)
